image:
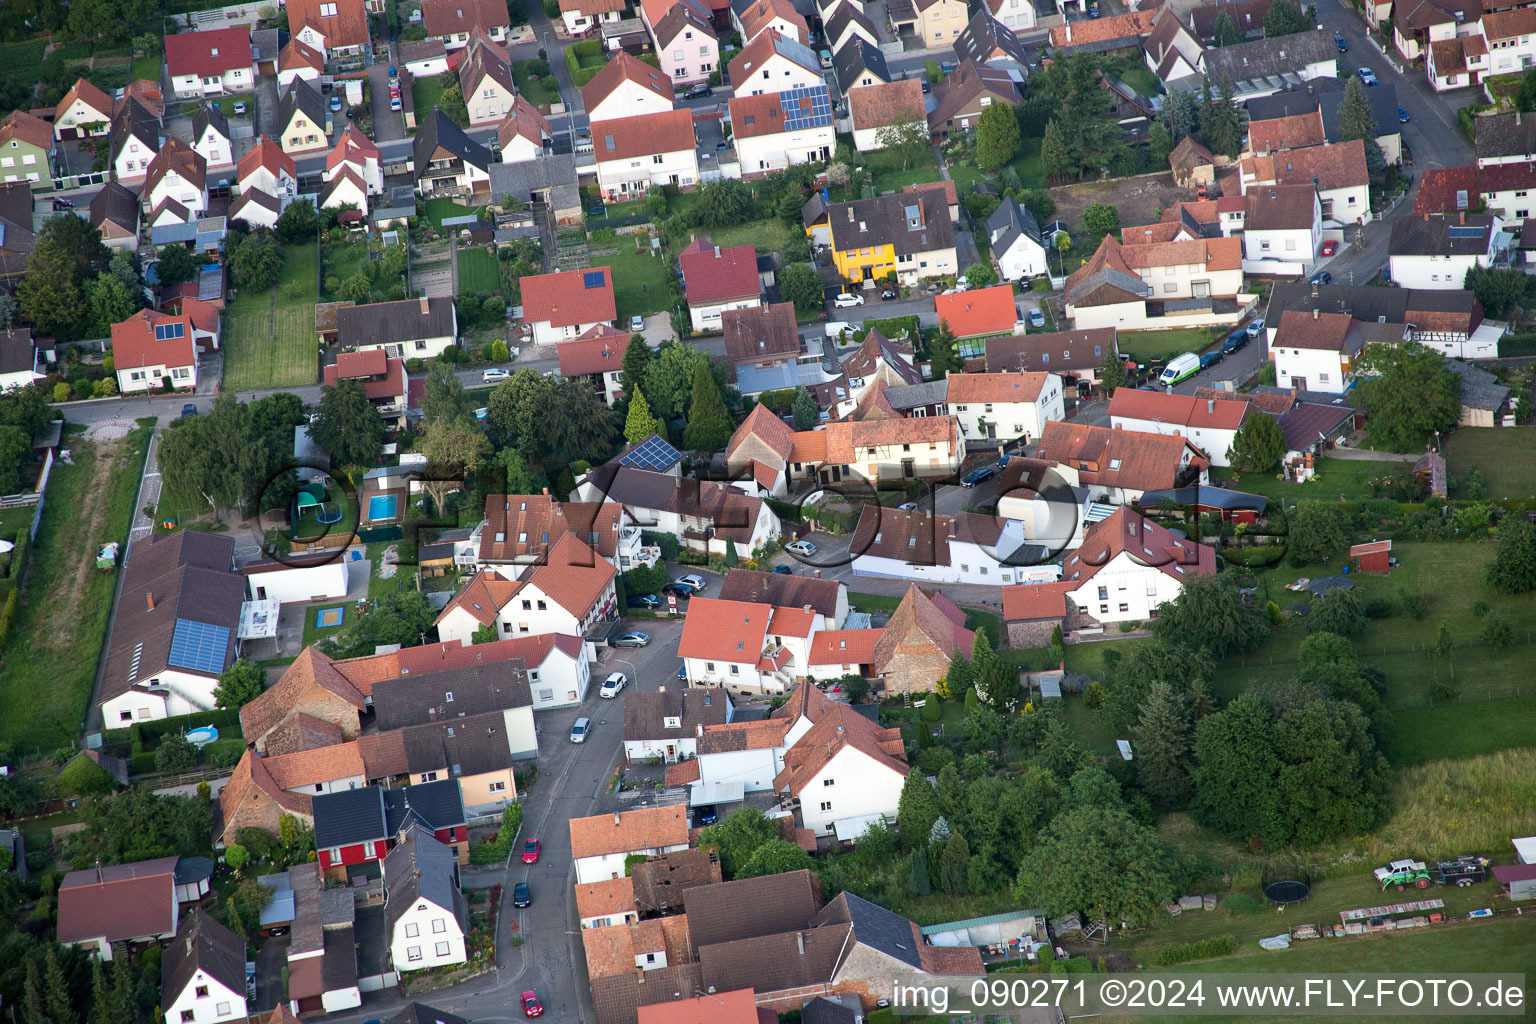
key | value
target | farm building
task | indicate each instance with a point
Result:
(1518, 880)
(297, 580)
(1373, 557)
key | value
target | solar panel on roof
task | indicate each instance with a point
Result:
(806, 106)
(169, 332)
(199, 646)
(653, 453)
(592, 279)
(1459, 231)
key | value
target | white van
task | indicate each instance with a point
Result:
(1180, 368)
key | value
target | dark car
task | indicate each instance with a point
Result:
(1402, 115)
(783, 570)
(678, 590)
(708, 814)
(927, 88)
(698, 92)
(188, 410)
(643, 601)
(976, 476)
(63, 204)
(522, 896)
(1209, 359)
(1339, 41)
(1236, 340)
(1321, 277)
(887, 295)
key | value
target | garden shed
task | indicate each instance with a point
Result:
(1518, 880)
(1373, 557)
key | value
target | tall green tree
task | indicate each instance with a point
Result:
(111, 302)
(1221, 126)
(637, 356)
(298, 223)
(775, 857)
(175, 264)
(1164, 739)
(452, 448)
(443, 395)
(1315, 531)
(1210, 613)
(1226, 30)
(56, 988)
(799, 284)
(669, 378)
(639, 424)
(916, 811)
(1409, 393)
(1101, 219)
(32, 1009)
(1188, 669)
(944, 352)
(257, 261)
(347, 425)
(1100, 860)
(1502, 292)
(905, 136)
(806, 413)
(1285, 18)
(239, 684)
(738, 836)
(1357, 121)
(997, 136)
(49, 295)
(919, 883)
(1054, 156)
(1513, 569)
(709, 425)
(954, 863)
(1258, 445)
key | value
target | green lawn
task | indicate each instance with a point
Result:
(1146, 346)
(639, 281)
(425, 93)
(50, 660)
(1506, 456)
(537, 92)
(478, 272)
(1028, 165)
(873, 602)
(1335, 478)
(267, 346)
(146, 67)
(342, 262)
(442, 207)
(1141, 78)
(767, 235)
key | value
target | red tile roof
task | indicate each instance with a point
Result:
(299, 54)
(176, 156)
(621, 68)
(966, 388)
(1184, 410)
(124, 901)
(769, 428)
(24, 127)
(875, 106)
(353, 147)
(1144, 541)
(649, 828)
(1036, 601)
(624, 138)
(1118, 26)
(1327, 332)
(844, 647)
(565, 299)
(713, 274)
(390, 385)
(447, 17)
(975, 313)
(1286, 132)
(208, 53)
(134, 344)
(93, 97)
(839, 727)
(441, 657)
(729, 631)
(599, 350)
(347, 27)
(266, 154)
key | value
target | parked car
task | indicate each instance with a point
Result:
(708, 814)
(693, 580)
(63, 204)
(1255, 328)
(613, 685)
(1339, 41)
(846, 299)
(531, 1005)
(1210, 359)
(1321, 277)
(698, 92)
(908, 506)
(783, 570)
(1368, 76)
(1328, 249)
(531, 850)
(636, 324)
(800, 547)
(631, 639)
(887, 295)
(678, 591)
(239, 106)
(522, 896)
(1035, 318)
(978, 475)
(1236, 340)
(335, 102)
(580, 729)
(642, 601)
(394, 103)
(1179, 368)
(826, 58)
(495, 375)
(188, 410)
(1402, 115)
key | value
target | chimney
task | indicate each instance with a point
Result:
(1068, 27)
(800, 942)
(1210, 406)
(149, 597)
(698, 731)
(616, 817)
(546, 492)
(717, 252)
(425, 306)
(103, 881)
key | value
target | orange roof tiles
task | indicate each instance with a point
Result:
(844, 647)
(624, 67)
(1183, 410)
(625, 138)
(1117, 458)
(312, 767)
(769, 428)
(875, 106)
(1119, 26)
(615, 896)
(565, 298)
(975, 313)
(268, 154)
(1036, 601)
(839, 728)
(965, 388)
(729, 631)
(134, 342)
(1144, 541)
(647, 828)
(1211, 253)
(1290, 132)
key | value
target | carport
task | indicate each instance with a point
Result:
(704, 794)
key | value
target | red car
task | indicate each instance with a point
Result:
(531, 851)
(1329, 248)
(531, 1005)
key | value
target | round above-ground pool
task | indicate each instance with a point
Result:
(202, 736)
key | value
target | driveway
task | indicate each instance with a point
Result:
(388, 125)
(266, 105)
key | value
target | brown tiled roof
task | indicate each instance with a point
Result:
(768, 427)
(1142, 539)
(202, 944)
(609, 898)
(1211, 253)
(22, 126)
(1279, 206)
(175, 155)
(682, 773)
(311, 676)
(971, 314)
(760, 331)
(1327, 332)
(565, 299)
(660, 882)
(309, 767)
(1335, 165)
(914, 535)
(1273, 404)
(1115, 458)
(775, 962)
(1056, 352)
(646, 714)
(757, 15)
(124, 901)
(525, 120)
(248, 789)
(616, 1000)
(1103, 30)
(646, 828)
(752, 907)
(715, 274)
(875, 106)
(447, 17)
(759, 735)
(620, 68)
(1182, 410)
(531, 524)
(778, 589)
(962, 90)
(1286, 132)
(995, 387)
(1028, 601)
(93, 97)
(599, 350)
(921, 624)
(624, 138)
(884, 220)
(839, 728)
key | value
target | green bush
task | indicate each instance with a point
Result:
(785, 510)
(146, 736)
(8, 615)
(496, 850)
(1220, 945)
(668, 543)
(1254, 557)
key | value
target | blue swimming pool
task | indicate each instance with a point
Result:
(382, 506)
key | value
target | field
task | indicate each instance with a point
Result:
(478, 272)
(271, 345)
(146, 67)
(1149, 345)
(1506, 456)
(639, 282)
(49, 667)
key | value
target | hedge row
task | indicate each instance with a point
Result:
(20, 555)
(1221, 945)
(496, 850)
(8, 615)
(146, 736)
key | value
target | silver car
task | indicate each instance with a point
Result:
(580, 729)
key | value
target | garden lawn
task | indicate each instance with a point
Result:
(269, 345)
(1147, 346)
(146, 67)
(1498, 697)
(873, 602)
(426, 92)
(341, 262)
(479, 272)
(442, 207)
(1027, 164)
(1141, 78)
(535, 91)
(1506, 456)
(639, 281)
(56, 640)
(1335, 478)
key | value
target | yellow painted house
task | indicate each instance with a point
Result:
(908, 234)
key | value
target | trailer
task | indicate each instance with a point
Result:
(1402, 874)
(1463, 871)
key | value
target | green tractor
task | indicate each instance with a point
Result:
(1403, 873)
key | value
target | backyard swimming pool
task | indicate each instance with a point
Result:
(382, 506)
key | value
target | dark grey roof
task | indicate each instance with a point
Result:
(1440, 236)
(338, 964)
(304, 98)
(266, 44)
(420, 1013)
(135, 121)
(387, 323)
(528, 176)
(18, 350)
(209, 115)
(1479, 388)
(451, 694)
(1383, 100)
(842, 17)
(1010, 221)
(856, 57)
(786, 591)
(822, 1010)
(1264, 57)
(909, 222)
(918, 396)
(348, 817)
(1364, 302)
(874, 926)
(115, 203)
(202, 943)
(985, 35)
(646, 714)
(468, 746)
(437, 805)
(1308, 423)
(440, 133)
(1210, 497)
(1505, 135)
(421, 868)
(1344, 401)
(192, 869)
(751, 907)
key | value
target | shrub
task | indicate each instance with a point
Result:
(668, 543)
(1479, 608)
(1220, 945)
(497, 849)
(1093, 697)
(1381, 608)
(932, 711)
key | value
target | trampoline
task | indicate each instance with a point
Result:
(1284, 891)
(326, 618)
(325, 512)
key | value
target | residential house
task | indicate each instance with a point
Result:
(202, 974)
(26, 150)
(346, 191)
(356, 152)
(774, 63)
(1192, 164)
(1173, 52)
(115, 214)
(606, 903)
(1436, 253)
(1503, 189)
(939, 22)
(519, 529)
(1033, 612)
(881, 449)
(1261, 66)
(211, 137)
(1281, 226)
(707, 516)
(1336, 170)
(752, 18)
(523, 133)
(687, 42)
(355, 828)
(151, 350)
(762, 439)
(178, 173)
(625, 87)
(449, 161)
(986, 40)
(601, 844)
(874, 108)
(425, 914)
(422, 328)
(882, 945)
(22, 361)
(257, 209)
(1211, 424)
(1327, 97)
(748, 648)
(828, 598)
(1016, 242)
(1316, 352)
(1073, 354)
(840, 652)
(964, 93)
(136, 137)
(919, 641)
(717, 280)
(302, 121)
(322, 947)
(1164, 284)
(1247, 16)
(636, 153)
(571, 593)
(567, 304)
(424, 58)
(660, 884)
(383, 379)
(773, 130)
(453, 21)
(965, 548)
(582, 16)
(1119, 465)
(751, 754)
(485, 78)
(211, 62)
(299, 60)
(266, 168)
(599, 356)
(1004, 408)
(1505, 139)
(1484, 400)
(1268, 135)
(667, 724)
(1128, 566)
(645, 946)
(908, 235)
(1115, 34)
(977, 313)
(337, 28)
(860, 65)
(16, 230)
(129, 903)
(313, 704)
(84, 111)
(845, 773)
